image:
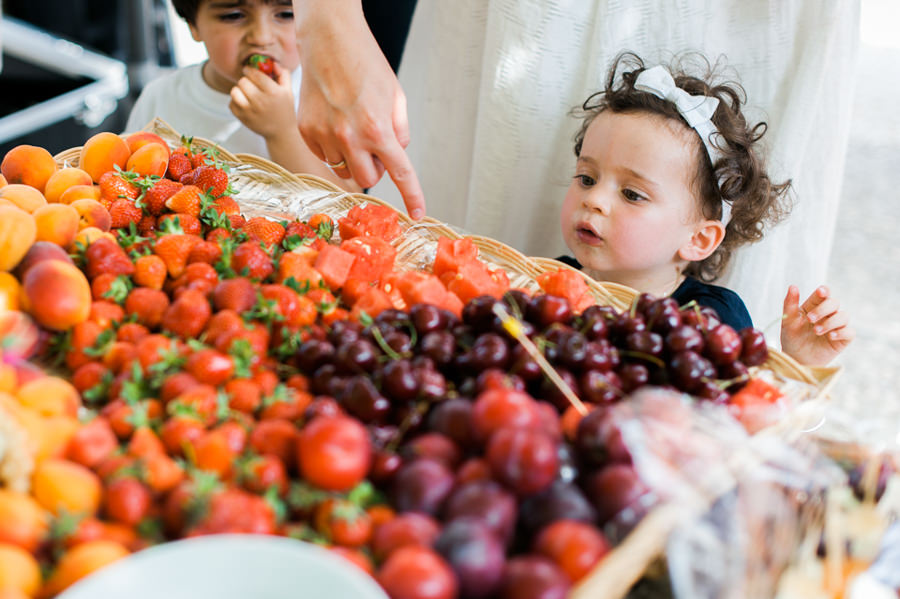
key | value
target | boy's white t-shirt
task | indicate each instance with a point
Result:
(184, 100)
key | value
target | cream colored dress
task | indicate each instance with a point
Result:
(490, 84)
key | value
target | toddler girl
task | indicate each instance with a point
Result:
(668, 183)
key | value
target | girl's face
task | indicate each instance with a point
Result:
(233, 30)
(630, 211)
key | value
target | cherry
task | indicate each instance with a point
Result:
(422, 486)
(723, 345)
(645, 342)
(475, 554)
(600, 387)
(560, 500)
(754, 350)
(427, 318)
(487, 500)
(398, 381)
(313, 354)
(524, 460)
(489, 351)
(599, 355)
(688, 370)
(534, 577)
(384, 465)
(453, 418)
(684, 337)
(439, 346)
(598, 439)
(361, 399)
(479, 313)
(358, 356)
(633, 376)
(434, 446)
(545, 310)
(523, 365)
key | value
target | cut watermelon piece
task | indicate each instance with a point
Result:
(568, 284)
(374, 257)
(373, 220)
(451, 253)
(334, 264)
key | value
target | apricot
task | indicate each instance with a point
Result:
(59, 484)
(80, 561)
(38, 252)
(9, 292)
(28, 165)
(62, 180)
(17, 233)
(56, 294)
(149, 159)
(50, 396)
(138, 139)
(56, 433)
(89, 235)
(103, 152)
(91, 213)
(19, 571)
(57, 223)
(25, 197)
(80, 192)
(3, 181)
(23, 522)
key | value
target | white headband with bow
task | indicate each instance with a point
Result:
(696, 110)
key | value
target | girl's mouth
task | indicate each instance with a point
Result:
(587, 235)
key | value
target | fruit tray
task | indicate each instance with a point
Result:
(266, 189)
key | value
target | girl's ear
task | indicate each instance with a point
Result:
(706, 238)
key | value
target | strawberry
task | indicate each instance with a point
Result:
(262, 229)
(296, 310)
(186, 199)
(179, 164)
(196, 272)
(124, 212)
(106, 256)
(205, 251)
(148, 227)
(204, 156)
(154, 201)
(210, 366)
(238, 294)
(254, 259)
(223, 322)
(210, 179)
(300, 229)
(174, 250)
(237, 221)
(226, 205)
(117, 185)
(147, 305)
(266, 64)
(183, 222)
(187, 316)
(149, 271)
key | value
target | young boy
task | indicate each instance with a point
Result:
(228, 101)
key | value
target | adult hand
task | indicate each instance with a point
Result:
(817, 331)
(352, 109)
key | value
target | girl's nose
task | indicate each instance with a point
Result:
(597, 200)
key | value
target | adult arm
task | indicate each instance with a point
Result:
(352, 108)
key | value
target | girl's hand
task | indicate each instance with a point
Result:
(816, 332)
(264, 105)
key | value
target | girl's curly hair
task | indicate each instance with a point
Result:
(738, 177)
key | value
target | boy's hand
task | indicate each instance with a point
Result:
(816, 332)
(264, 104)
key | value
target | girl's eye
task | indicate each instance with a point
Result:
(633, 196)
(287, 15)
(585, 180)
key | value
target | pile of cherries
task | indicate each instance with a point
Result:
(468, 431)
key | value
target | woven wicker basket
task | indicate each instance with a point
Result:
(266, 189)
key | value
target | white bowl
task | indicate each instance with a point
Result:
(229, 567)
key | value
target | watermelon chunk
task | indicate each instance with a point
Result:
(334, 264)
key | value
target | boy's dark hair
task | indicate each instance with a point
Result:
(187, 9)
(738, 177)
